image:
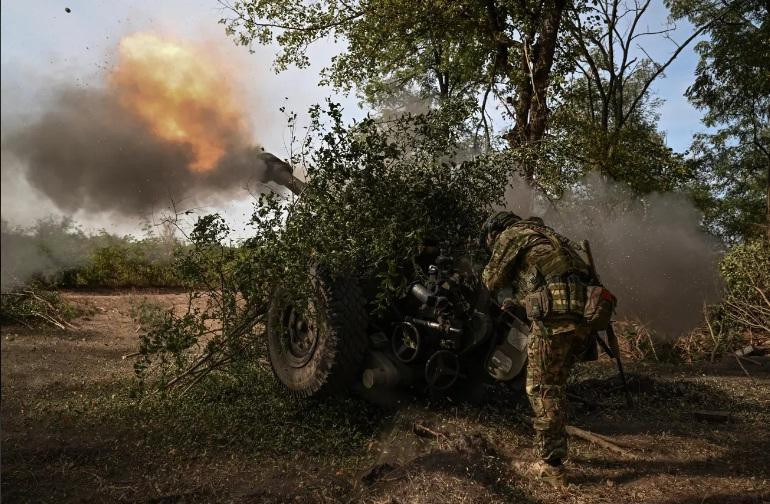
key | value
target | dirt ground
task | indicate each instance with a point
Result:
(75, 430)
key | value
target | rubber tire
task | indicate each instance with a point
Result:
(336, 362)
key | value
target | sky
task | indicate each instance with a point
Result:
(42, 46)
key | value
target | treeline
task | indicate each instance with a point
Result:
(57, 253)
(565, 84)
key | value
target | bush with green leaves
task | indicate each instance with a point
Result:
(377, 191)
(376, 194)
(125, 262)
(56, 253)
(746, 273)
(33, 307)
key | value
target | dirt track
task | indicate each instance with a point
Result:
(61, 443)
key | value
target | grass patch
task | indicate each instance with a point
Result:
(247, 414)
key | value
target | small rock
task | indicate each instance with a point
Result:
(745, 351)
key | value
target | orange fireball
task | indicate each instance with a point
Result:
(180, 94)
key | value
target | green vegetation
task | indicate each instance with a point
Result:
(732, 86)
(572, 82)
(425, 169)
(376, 193)
(564, 83)
(741, 318)
(238, 412)
(58, 254)
(746, 272)
(429, 164)
(33, 307)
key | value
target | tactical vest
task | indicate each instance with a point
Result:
(564, 273)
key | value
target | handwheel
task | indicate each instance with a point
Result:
(406, 342)
(442, 370)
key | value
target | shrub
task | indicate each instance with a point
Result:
(58, 254)
(122, 262)
(35, 307)
(746, 273)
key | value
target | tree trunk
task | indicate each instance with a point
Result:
(546, 47)
(767, 220)
(531, 106)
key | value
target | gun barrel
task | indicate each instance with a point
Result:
(281, 172)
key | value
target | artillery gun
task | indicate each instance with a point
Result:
(443, 334)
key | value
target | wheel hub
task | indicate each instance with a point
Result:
(300, 337)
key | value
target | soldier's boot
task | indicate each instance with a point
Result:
(542, 470)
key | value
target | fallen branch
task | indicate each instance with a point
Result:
(27, 304)
(189, 371)
(761, 293)
(423, 431)
(751, 360)
(601, 441)
(738, 360)
(590, 437)
(204, 372)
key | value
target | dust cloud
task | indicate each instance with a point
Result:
(650, 251)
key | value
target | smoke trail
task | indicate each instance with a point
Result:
(650, 251)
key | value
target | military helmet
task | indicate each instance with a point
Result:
(495, 224)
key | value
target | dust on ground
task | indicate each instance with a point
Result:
(75, 429)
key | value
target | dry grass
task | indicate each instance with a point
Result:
(707, 342)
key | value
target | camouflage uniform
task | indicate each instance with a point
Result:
(556, 341)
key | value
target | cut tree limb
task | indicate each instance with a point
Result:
(738, 360)
(599, 440)
(426, 432)
(590, 437)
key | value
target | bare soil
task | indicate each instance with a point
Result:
(75, 429)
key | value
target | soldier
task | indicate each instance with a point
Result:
(548, 278)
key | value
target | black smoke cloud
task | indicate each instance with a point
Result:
(87, 152)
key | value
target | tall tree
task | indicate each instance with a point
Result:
(465, 53)
(634, 152)
(732, 85)
(609, 94)
(604, 115)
